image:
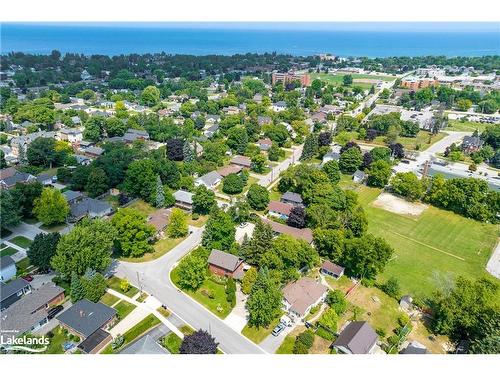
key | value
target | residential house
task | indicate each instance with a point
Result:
(264, 120)
(279, 209)
(212, 119)
(44, 178)
(210, 132)
(331, 269)
(230, 169)
(89, 321)
(225, 264)
(292, 198)
(356, 338)
(71, 135)
(243, 161)
(83, 160)
(29, 313)
(359, 177)
(264, 144)
(231, 110)
(159, 219)
(210, 180)
(8, 268)
(471, 144)
(20, 144)
(301, 295)
(93, 151)
(13, 291)
(332, 155)
(81, 206)
(279, 106)
(184, 200)
(319, 117)
(414, 347)
(9, 177)
(300, 234)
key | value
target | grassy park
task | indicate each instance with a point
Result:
(433, 248)
(337, 79)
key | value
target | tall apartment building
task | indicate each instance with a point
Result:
(304, 78)
(414, 83)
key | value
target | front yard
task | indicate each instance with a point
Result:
(123, 309)
(21, 241)
(257, 335)
(161, 247)
(114, 283)
(211, 294)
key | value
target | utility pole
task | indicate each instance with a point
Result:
(139, 281)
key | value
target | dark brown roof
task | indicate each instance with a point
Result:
(301, 234)
(224, 260)
(358, 337)
(241, 160)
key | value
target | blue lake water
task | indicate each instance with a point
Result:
(116, 39)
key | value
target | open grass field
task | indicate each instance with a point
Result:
(210, 294)
(466, 126)
(143, 207)
(432, 248)
(337, 79)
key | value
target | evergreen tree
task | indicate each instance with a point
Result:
(188, 152)
(160, 193)
(77, 288)
(310, 147)
(259, 244)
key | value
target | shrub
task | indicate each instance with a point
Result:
(124, 285)
(381, 332)
(307, 338)
(403, 320)
(117, 342)
(195, 216)
(207, 293)
(392, 288)
(336, 300)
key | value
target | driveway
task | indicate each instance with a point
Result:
(237, 319)
(272, 343)
(155, 279)
(275, 172)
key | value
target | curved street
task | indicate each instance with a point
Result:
(153, 277)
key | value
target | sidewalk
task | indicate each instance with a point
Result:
(149, 306)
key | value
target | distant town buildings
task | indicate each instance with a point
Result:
(304, 78)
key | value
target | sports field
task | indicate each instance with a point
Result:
(431, 249)
(337, 79)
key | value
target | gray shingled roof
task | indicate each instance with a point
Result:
(224, 260)
(12, 287)
(86, 317)
(89, 205)
(292, 197)
(210, 178)
(6, 261)
(358, 337)
(183, 196)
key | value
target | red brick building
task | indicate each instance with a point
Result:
(304, 78)
(225, 264)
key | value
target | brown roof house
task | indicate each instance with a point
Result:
(230, 169)
(159, 219)
(302, 295)
(331, 269)
(300, 234)
(243, 161)
(356, 338)
(279, 209)
(225, 264)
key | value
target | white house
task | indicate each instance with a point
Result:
(7, 268)
(210, 180)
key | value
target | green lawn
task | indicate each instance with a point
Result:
(431, 248)
(109, 299)
(202, 219)
(30, 220)
(22, 266)
(53, 228)
(136, 331)
(274, 195)
(7, 251)
(466, 126)
(172, 342)
(337, 79)
(114, 283)
(217, 304)
(21, 241)
(55, 345)
(163, 311)
(287, 345)
(123, 309)
(187, 330)
(143, 207)
(257, 335)
(161, 247)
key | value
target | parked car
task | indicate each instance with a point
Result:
(278, 329)
(54, 311)
(307, 324)
(28, 278)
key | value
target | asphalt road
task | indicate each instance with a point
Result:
(154, 278)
